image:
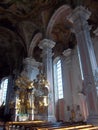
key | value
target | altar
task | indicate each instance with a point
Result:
(31, 98)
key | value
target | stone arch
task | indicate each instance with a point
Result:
(9, 35)
(34, 43)
(63, 11)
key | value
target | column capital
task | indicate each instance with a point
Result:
(67, 54)
(78, 13)
(32, 62)
(46, 43)
(29, 65)
(96, 32)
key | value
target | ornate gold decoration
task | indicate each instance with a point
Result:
(31, 95)
(41, 93)
(23, 97)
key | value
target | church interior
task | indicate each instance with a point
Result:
(48, 64)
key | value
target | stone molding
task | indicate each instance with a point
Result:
(32, 62)
(78, 13)
(46, 43)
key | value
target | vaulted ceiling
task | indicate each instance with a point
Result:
(24, 23)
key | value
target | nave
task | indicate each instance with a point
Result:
(48, 63)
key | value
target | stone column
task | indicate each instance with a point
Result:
(30, 71)
(67, 58)
(79, 18)
(69, 80)
(47, 46)
(30, 68)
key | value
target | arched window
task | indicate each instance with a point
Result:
(3, 90)
(58, 78)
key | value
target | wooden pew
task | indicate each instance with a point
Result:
(41, 125)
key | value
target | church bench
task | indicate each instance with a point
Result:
(39, 125)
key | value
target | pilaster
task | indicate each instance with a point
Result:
(79, 18)
(69, 95)
(46, 45)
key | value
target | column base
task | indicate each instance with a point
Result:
(45, 118)
(93, 120)
(51, 118)
(41, 117)
(31, 117)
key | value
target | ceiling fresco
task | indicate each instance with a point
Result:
(24, 23)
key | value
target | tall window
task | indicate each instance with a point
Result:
(3, 91)
(58, 78)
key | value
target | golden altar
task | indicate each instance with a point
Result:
(31, 98)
